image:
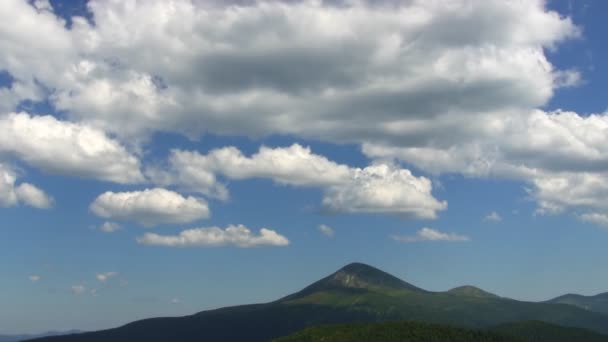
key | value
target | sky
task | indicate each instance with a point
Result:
(160, 158)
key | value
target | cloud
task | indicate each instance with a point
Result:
(378, 188)
(103, 277)
(66, 148)
(150, 207)
(78, 289)
(33, 196)
(429, 234)
(362, 69)
(34, 278)
(175, 301)
(24, 193)
(109, 227)
(493, 217)
(326, 230)
(235, 235)
(385, 189)
(596, 218)
(447, 88)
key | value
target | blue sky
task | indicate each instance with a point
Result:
(144, 148)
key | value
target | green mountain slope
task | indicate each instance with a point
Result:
(530, 331)
(535, 331)
(597, 303)
(355, 293)
(395, 332)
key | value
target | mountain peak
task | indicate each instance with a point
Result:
(471, 291)
(356, 276)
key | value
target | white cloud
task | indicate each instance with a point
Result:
(175, 301)
(67, 148)
(493, 217)
(360, 68)
(326, 230)
(103, 277)
(429, 234)
(236, 235)
(150, 207)
(446, 87)
(384, 188)
(596, 218)
(33, 196)
(78, 289)
(379, 188)
(109, 227)
(24, 193)
(34, 278)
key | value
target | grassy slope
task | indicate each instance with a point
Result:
(452, 309)
(534, 331)
(394, 332)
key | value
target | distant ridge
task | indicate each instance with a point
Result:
(354, 293)
(597, 303)
(471, 291)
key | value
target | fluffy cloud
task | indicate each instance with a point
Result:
(24, 193)
(448, 87)
(34, 278)
(379, 188)
(326, 230)
(109, 227)
(236, 235)
(362, 70)
(385, 189)
(493, 217)
(429, 234)
(150, 207)
(597, 218)
(78, 289)
(67, 148)
(103, 277)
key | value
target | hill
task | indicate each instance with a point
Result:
(355, 293)
(530, 331)
(395, 332)
(535, 331)
(597, 303)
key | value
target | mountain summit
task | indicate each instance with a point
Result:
(471, 291)
(356, 276)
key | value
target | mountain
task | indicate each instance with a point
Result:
(535, 331)
(530, 331)
(471, 291)
(597, 303)
(16, 338)
(395, 332)
(355, 293)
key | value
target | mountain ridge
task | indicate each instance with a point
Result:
(355, 293)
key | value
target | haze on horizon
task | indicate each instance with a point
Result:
(159, 158)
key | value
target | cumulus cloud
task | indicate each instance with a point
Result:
(385, 189)
(429, 234)
(493, 217)
(109, 227)
(67, 148)
(24, 193)
(449, 88)
(362, 70)
(234, 235)
(150, 207)
(78, 289)
(34, 278)
(596, 218)
(103, 277)
(326, 230)
(378, 188)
